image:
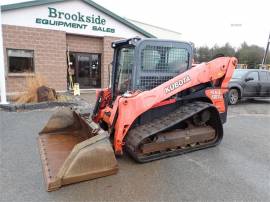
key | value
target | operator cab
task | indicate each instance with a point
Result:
(143, 64)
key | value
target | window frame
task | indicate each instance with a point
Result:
(23, 73)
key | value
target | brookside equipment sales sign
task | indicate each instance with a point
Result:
(75, 20)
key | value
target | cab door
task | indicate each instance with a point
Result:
(251, 87)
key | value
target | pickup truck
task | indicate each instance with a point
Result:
(249, 83)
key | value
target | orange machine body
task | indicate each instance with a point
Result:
(127, 108)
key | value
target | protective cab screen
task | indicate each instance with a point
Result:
(161, 63)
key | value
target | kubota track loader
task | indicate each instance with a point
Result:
(158, 105)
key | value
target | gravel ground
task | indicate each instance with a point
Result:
(238, 169)
(89, 97)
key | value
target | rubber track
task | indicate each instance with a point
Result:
(138, 134)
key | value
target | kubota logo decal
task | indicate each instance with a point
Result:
(177, 84)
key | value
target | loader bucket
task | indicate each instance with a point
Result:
(74, 149)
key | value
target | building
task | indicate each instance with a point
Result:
(39, 37)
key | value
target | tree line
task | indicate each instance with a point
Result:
(250, 55)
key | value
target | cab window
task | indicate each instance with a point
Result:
(163, 58)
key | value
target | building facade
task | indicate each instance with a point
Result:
(53, 37)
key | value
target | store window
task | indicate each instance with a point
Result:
(20, 61)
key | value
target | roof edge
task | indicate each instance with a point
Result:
(157, 27)
(28, 4)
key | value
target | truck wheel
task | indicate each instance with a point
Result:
(233, 96)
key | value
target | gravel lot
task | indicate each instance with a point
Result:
(238, 169)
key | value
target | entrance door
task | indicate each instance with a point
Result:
(87, 70)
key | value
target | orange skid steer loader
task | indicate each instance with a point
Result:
(158, 105)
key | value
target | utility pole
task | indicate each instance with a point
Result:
(2, 66)
(266, 52)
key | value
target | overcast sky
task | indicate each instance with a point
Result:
(204, 22)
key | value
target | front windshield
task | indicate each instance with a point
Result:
(124, 65)
(238, 74)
